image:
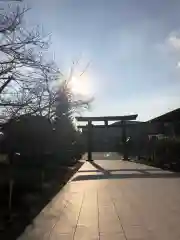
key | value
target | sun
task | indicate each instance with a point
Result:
(80, 85)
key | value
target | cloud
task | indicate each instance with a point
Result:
(178, 65)
(170, 45)
(169, 52)
(174, 41)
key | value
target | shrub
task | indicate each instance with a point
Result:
(167, 153)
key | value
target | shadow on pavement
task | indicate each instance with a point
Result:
(137, 175)
(99, 168)
(120, 170)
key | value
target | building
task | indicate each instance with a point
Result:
(169, 123)
(107, 139)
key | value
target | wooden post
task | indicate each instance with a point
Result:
(124, 138)
(106, 143)
(11, 183)
(90, 140)
(106, 123)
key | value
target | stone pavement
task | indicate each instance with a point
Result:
(112, 199)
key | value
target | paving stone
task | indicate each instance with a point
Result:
(132, 202)
(137, 233)
(108, 220)
(112, 236)
(86, 232)
(58, 236)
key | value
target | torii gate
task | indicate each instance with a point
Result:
(123, 124)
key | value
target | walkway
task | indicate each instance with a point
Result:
(112, 200)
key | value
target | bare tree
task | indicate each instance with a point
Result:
(24, 75)
(28, 83)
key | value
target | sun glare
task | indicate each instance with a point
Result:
(80, 85)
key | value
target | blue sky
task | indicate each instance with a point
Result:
(133, 47)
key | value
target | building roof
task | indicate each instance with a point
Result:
(171, 116)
